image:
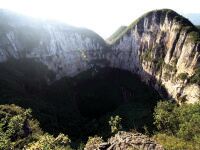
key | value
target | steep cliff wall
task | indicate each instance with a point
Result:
(161, 46)
(64, 49)
(164, 49)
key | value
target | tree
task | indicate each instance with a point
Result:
(182, 122)
(16, 128)
(165, 117)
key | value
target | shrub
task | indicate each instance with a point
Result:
(182, 76)
(115, 124)
(166, 117)
(167, 75)
(174, 143)
(19, 130)
(17, 127)
(48, 142)
(147, 55)
(182, 122)
(169, 67)
(159, 63)
(195, 79)
(194, 36)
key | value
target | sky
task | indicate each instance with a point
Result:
(101, 16)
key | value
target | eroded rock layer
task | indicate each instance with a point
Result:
(64, 49)
(164, 49)
(161, 46)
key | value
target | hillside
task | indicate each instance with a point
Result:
(75, 83)
(156, 43)
(163, 48)
(116, 34)
(198, 27)
(62, 48)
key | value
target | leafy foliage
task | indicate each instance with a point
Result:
(195, 79)
(48, 142)
(182, 76)
(78, 106)
(182, 122)
(19, 130)
(170, 142)
(170, 67)
(17, 127)
(147, 55)
(194, 36)
(166, 117)
(115, 124)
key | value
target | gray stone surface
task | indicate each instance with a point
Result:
(158, 40)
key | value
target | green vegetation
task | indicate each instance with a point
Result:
(161, 14)
(173, 143)
(182, 76)
(78, 106)
(115, 124)
(180, 124)
(194, 36)
(117, 34)
(23, 78)
(178, 128)
(147, 55)
(17, 127)
(167, 75)
(198, 27)
(69, 106)
(171, 68)
(195, 79)
(18, 130)
(99, 101)
(159, 63)
(48, 142)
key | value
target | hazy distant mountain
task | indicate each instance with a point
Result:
(195, 18)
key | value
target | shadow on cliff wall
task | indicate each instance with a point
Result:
(80, 106)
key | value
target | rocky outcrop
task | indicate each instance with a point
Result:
(164, 49)
(64, 49)
(161, 46)
(124, 140)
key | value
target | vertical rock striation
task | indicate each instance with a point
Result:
(161, 46)
(164, 49)
(64, 49)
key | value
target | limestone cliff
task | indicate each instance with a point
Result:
(164, 49)
(161, 46)
(64, 49)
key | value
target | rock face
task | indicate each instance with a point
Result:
(124, 140)
(161, 46)
(164, 49)
(64, 49)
